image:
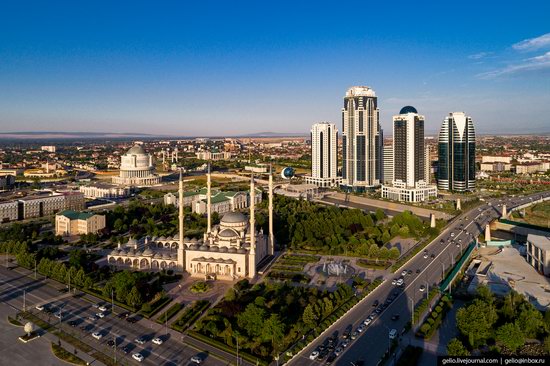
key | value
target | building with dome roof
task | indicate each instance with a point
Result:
(230, 250)
(137, 168)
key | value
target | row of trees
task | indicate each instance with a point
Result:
(504, 324)
(60, 272)
(131, 288)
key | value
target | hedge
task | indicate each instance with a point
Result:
(173, 310)
(190, 315)
(224, 347)
(156, 306)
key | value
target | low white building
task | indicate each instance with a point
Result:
(104, 190)
(400, 192)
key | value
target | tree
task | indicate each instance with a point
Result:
(511, 336)
(484, 293)
(309, 316)
(29, 328)
(134, 298)
(273, 329)
(394, 253)
(530, 320)
(252, 320)
(547, 344)
(476, 322)
(456, 348)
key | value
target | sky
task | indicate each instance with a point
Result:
(212, 68)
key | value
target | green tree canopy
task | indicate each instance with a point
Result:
(511, 336)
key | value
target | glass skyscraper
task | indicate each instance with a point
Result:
(457, 144)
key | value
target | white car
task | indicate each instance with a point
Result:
(393, 333)
(367, 321)
(422, 288)
(138, 357)
(39, 307)
(360, 328)
(100, 315)
(97, 335)
(394, 282)
(157, 340)
(452, 235)
(196, 359)
(399, 282)
(58, 315)
(314, 355)
(102, 308)
(404, 273)
(425, 255)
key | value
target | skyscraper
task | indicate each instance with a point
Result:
(456, 168)
(388, 164)
(361, 139)
(324, 155)
(409, 159)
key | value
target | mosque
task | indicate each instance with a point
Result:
(137, 168)
(231, 250)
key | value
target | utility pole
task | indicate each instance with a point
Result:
(24, 300)
(112, 301)
(35, 268)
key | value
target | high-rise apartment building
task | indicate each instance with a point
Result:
(456, 167)
(388, 164)
(409, 158)
(361, 140)
(324, 155)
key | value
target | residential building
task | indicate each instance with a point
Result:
(43, 204)
(457, 151)
(538, 253)
(324, 155)
(9, 211)
(388, 164)
(49, 148)
(74, 200)
(71, 222)
(361, 140)
(409, 159)
(7, 182)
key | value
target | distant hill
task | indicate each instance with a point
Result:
(48, 135)
(273, 134)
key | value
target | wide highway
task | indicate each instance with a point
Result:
(425, 271)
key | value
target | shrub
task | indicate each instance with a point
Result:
(425, 328)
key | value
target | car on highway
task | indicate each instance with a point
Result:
(393, 333)
(140, 340)
(97, 335)
(138, 357)
(422, 288)
(157, 341)
(102, 308)
(313, 355)
(39, 307)
(100, 315)
(395, 317)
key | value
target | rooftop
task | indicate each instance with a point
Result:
(74, 215)
(542, 242)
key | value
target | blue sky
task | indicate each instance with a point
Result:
(234, 67)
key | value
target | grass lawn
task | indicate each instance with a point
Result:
(66, 356)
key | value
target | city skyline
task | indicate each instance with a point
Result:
(178, 70)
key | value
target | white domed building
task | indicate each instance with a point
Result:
(137, 169)
(231, 250)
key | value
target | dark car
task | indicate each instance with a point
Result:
(131, 320)
(395, 317)
(331, 357)
(389, 300)
(322, 355)
(432, 256)
(418, 270)
(111, 343)
(123, 315)
(347, 332)
(126, 348)
(375, 303)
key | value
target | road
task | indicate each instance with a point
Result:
(372, 343)
(37, 292)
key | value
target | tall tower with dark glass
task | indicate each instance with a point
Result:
(457, 154)
(361, 140)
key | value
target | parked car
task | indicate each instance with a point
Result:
(314, 355)
(138, 357)
(375, 303)
(97, 335)
(157, 341)
(345, 343)
(100, 315)
(39, 307)
(140, 340)
(196, 359)
(404, 273)
(393, 333)
(395, 317)
(422, 288)
(102, 308)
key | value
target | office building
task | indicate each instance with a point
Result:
(361, 140)
(538, 253)
(409, 159)
(137, 168)
(324, 155)
(71, 222)
(457, 152)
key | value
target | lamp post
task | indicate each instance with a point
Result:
(113, 301)
(35, 268)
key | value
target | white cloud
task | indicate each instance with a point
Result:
(533, 43)
(480, 55)
(537, 63)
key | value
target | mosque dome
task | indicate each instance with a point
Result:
(408, 109)
(233, 218)
(148, 252)
(227, 233)
(241, 250)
